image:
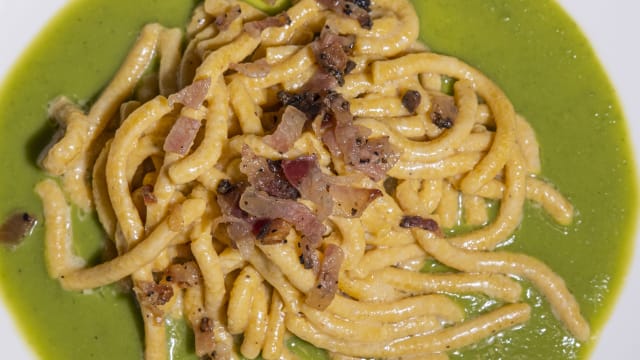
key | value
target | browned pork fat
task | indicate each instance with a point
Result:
(332, 53)
(321, 295)
(271, 231)
(309, 102)
(355, 9)
(443, 111)
(205, 341)
(16, 227)
(261, 205)
(239, 223)
(184, 275)
(150, 293)
(411, 221)
(371, 156)
(351, 202)
(148, 196)
(305, 175)
(288, 130)
(257, 69)
(411, 100)
(266, 209)
(223, 21)
(193, 95)
(181, 135)
(327, 191)
(254, 28)
(151, 296)
(266, 175)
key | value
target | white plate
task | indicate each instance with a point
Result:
(612, 26)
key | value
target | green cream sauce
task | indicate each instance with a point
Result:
(529, 47)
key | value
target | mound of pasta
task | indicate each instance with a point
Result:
(290, 175)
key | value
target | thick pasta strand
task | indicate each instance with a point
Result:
(58, 236)
(117, 184)
(509, 215)
(380, 258)
(551, 200)
(208, 152)
(498, 287)
(140, 255)
(211, 268)
(241, 298)
(255, 333)
(102, 203)
(369, 330)
(107, 104)
(74, 120)
(449, 338)
(551, 285)
(274, 338)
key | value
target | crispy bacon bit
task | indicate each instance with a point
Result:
(239, 225)
(365, 4)
(327, 191)
(420, 222)
(443, 111)
(261, 205)
(411, 100)
(326, 287)
(331, 51)
(193, 95)
(224, 20)
(224, 187)
(373, 157)
(257, 69)
(266, 175)
(228, 198)
(206, 325)
(299, 169)
(152, 296)
(254, 28)
(270, 232)
(205, 341)
(390, 185)
(181, 135)
(305, 175)
(309, 102)
(355, 9)
(184, 275)
(16, 227)
(351, 65)
(147, 195)
(351, 202)
(288, 130)
(339, 109)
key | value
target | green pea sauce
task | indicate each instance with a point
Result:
(529, 47)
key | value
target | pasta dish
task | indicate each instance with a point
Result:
(290, 175)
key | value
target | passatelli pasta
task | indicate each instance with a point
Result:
(289, 175)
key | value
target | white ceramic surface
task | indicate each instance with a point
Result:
(612, 26)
